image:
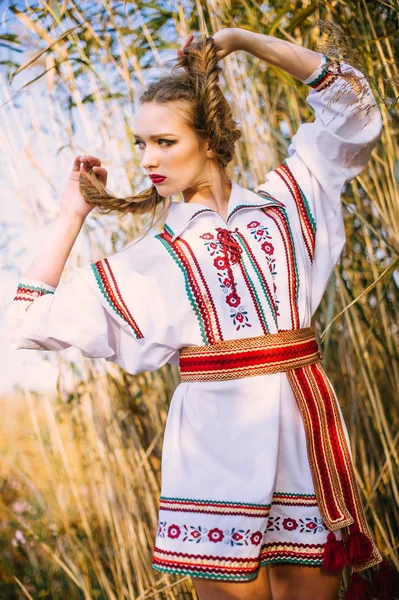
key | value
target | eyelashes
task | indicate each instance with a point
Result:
(167, 142)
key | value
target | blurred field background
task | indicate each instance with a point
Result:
(80, 461)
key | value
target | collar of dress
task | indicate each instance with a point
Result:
(180, 214)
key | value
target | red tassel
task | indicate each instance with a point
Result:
(334, 557)
(385, 582)
(358, 589)
(358, 547)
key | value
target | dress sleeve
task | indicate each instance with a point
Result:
(322, 156)
(105, 309)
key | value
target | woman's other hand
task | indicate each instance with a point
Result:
(72, 201)
(188, 41)
(227, 41)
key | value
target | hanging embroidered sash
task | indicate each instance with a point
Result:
(296, 352)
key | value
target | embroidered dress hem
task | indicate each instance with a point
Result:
(231, 541)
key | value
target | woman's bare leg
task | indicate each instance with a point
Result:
(257, 589)
(296, 582)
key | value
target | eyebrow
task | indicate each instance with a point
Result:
(157, 135)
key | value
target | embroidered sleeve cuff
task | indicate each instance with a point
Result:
(30, 289)
(324, 75)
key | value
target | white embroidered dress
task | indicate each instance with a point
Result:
(237, 491)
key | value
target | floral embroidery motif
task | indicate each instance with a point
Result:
(227, 252)
(189, 559)
(314, 525)
(290, 524)
(273, 524)
(261, 234)
(232, 537)
(308, 525)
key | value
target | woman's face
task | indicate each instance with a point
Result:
(168, 147)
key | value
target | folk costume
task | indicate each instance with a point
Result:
(256, 462)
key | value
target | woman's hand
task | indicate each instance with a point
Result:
(227, 40)
(72, 201)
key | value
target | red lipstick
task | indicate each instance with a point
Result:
(155, 178)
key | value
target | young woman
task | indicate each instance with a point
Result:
(259, 498)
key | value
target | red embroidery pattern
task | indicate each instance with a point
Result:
(196, 286)
(29, 293)
(291, 552)
(285, 499)
(261, 234)
(109, 288)
(226, 568)
(214, 507)
(227, 252)
(192, 533)
(280, 218)
(307, 222)
(328, 75)
(205, 563)
(307, 525)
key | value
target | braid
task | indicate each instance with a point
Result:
(214, 113)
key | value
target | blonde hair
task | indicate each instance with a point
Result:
(208, 114)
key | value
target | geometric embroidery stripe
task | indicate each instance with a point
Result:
(202, 296)
(223, 567)
(279, 216)
(329, 458)
(332, 422)
(291, 552)
(270, 360)
(121, 302)
(164, 238)
(214, 507)
(22, 298)
(255, 298)
(326, 78)
(262, 280)
(215, 328)
(271, 201)
(352, 494)
(284, 339)
(285, 499)
(325, 479)
(206, 374)
(33, 290)
(307, 222)
(236, 569)
(29, 293)
(201, 299)
(110, 290)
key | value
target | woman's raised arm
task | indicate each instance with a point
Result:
(296, 60)
(323, 154)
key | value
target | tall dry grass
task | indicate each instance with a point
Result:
(81, 467)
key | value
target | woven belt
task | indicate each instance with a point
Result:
(296, 352)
